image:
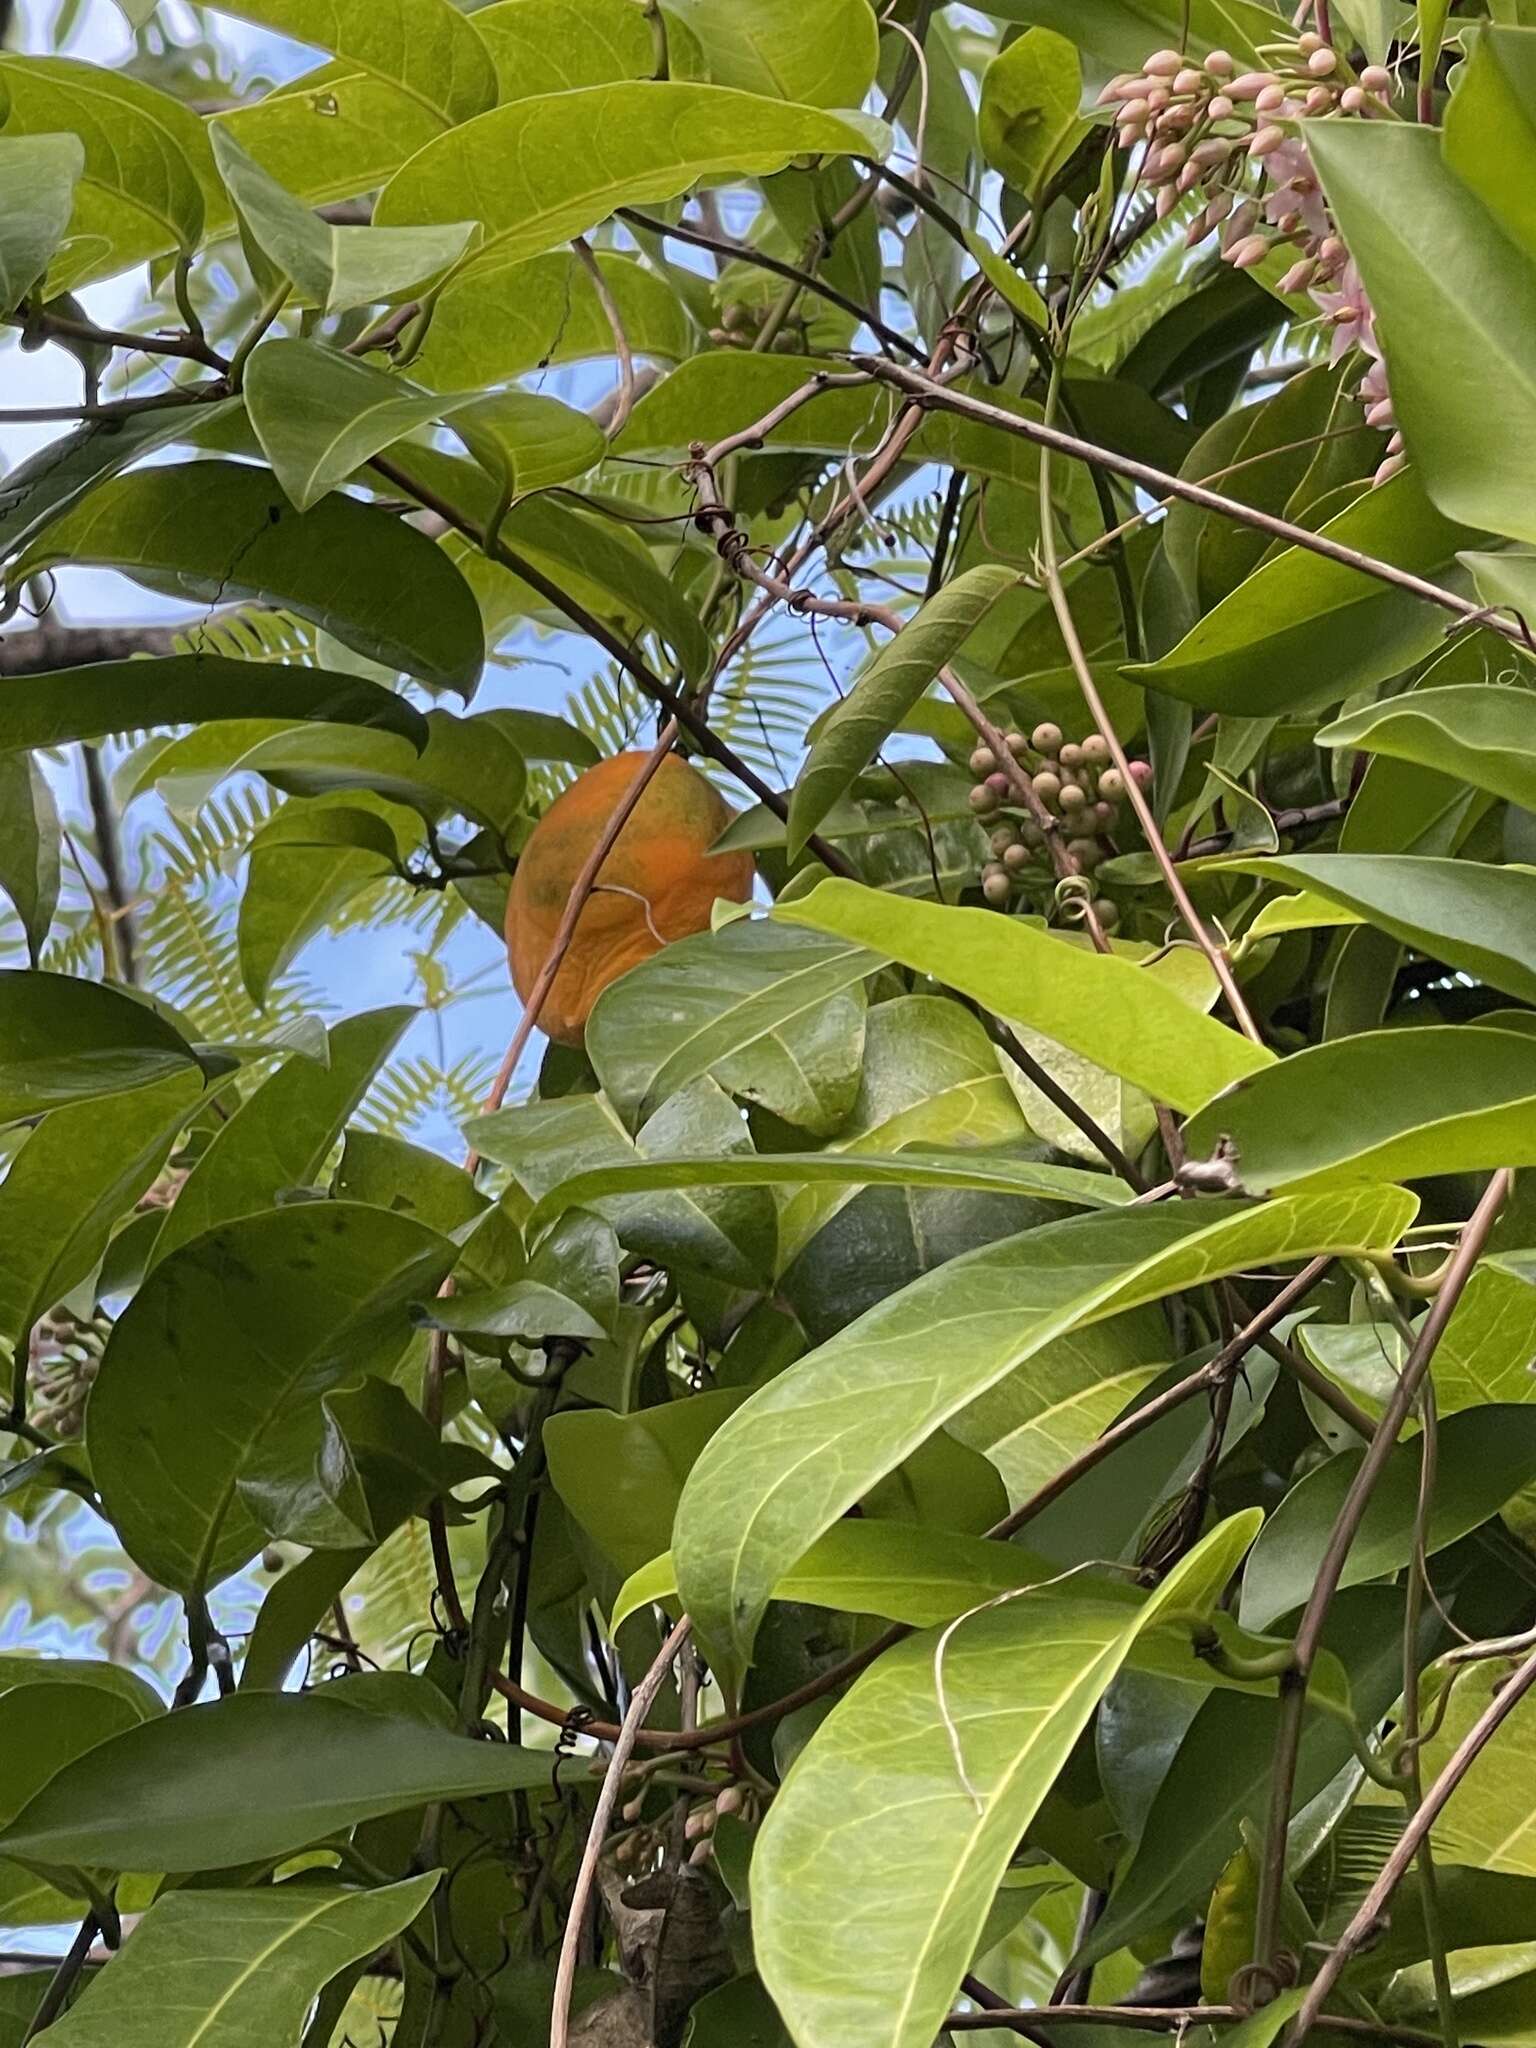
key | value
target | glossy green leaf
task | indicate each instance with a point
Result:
(63, 1040)
(228, 1338)
(208, 1969)
(1302, 631)
(1454, 301)
(390, 1174)
(963, 1167)
(1028, 122)
(1486, 1352)
(333, 133)
(190, 689)
(1481, 733)
(48, 483)
(29, 847)
(967, 1728)
(77, 1175)
(881, 697)
(813, 1441)
(305, 865)
(777, 1018)
(146, 179)
(334, 268)
(252, 1778)
(1388, 1105)
(212, 531)
(1507, 580)
(507, 317)
(1110, 1011)
(280, 1136)
(730, 1237)
(1489, 139)
(819, 52)
(1485, 1455)
(511, 168)
(38, 175)
(1471, 915)
(425, 48)
(1492, 1820)
(540, 46)
(1121, 34)
(621, 1476)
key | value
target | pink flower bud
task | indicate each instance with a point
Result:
(1380, 414)
(1221, 108)
(1389, 469)
(1270, 100)
(1323, 63)
(1299, 276)
(1395, 445)
(1141, 774)
(1333, 252)
(1245, 254)
(1189, 81)
(1167, 200)
(1129, 137)
(1112, 90)
(1243, 221)
(1310, 42)
(1157, 97)
(1219, 208)
(1134, 112)
(1354, 99)
(1198, 229)
(1376, 78)
(1220, 64)
(1189, 177)
(1250, 85)
(1318, 100)
(1215, 151)
(1266, 141)
(1164, 64)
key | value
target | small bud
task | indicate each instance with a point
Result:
(1332, 253)
(700, 1853)
(1215, 151)
(983, 801)
(1395, 445)
(1157, 98)
(1134, 113)
(1270, 100)
(1106, 816)
(1141, 774)
(1267, 141)
(1245, 254)
(1164, 64)
(1389, 469)
(1298, 277)
(997, 888)
(1318, 100)
(1309, 41)
(1106, 912)
(1189, 80)
(1381, 414)
(632, 1810)
(1189, 178)
(1220, 64)
(731, 1800)
(1047, 740)
(1250, 84)
(1323, 63)
(1221, 108)
(1354, 99)
(1167, 199)
(1219, 208)
(1112, 91)
(983, 761)
(1128, 138)
(1377, 78)
(1198, 229)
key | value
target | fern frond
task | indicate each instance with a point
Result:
(205, 848)
(251, 633)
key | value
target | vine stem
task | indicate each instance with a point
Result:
(624, 355)
(1165, 2019)
(643, 1699)
(1293, 1687)
(1414, 1836)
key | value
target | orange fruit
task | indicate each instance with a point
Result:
(657, 884)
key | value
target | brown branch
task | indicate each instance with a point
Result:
(1293, 1689)
(1169, 2019)
(61, 327)
(51, 646)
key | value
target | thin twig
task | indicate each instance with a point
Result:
(570, 1940)
(625, 396)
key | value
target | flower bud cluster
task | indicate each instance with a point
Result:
(1077, 783)
(1208, 129)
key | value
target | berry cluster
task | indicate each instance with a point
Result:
(1077, 783)
(740, 325)
(1208, 129)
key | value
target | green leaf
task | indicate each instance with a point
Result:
(146, 176)
(963, 1167)
(729, 1237)
(1492, 1820)
(190, 689)
(819, 52)
(29, 847)
(425, 48)
(279, 1137)
(1508, 580)
(527, 442)
(207, 1969)
(226, 1340)
(211, 531)
(1028, 122)
(56, 477)
(813, 1441)
(1479, 732)
(1479, 918)
(507, 317)
(881, 697)
(622, 1476)
(1117, 1015)
(1302, 631)
(252, 1778)
(391, 1174)
(1387, 1105)
(1489, 140)
(970, 1728)
(38, 175)
(776, 1018)
(63, 1040)
(512, 168)
(305, 865)
(1485, 1456)
(334, 268)
(1454, 301)
(1121, 33)
(331, 134)
(542, 46)
(76, 1175)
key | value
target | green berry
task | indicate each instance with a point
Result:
(1047, 738)
(983, 800)
(1017, 745)
(983, 761)
(1071, 755)
(1106, 912)
(1073, 796)
(1002, 839)
(1016, 857)
(1096, 751)
(1086, 852)
(1112, 785)
(997, 888)
(1047, 786)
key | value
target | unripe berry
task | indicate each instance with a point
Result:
(1047, 786)
(1073, 796)
(983, 800)
(999, 784)
(1071, 755)
(1047, 738)
(983, 761)
(1376, 78)
(1106, 912)
(1141, 774)
(1112, 784)
(1106, 816)
(1086, 852)
(1015, 857)
(1004, 838)
(997, 889)
(1096, 750)
(1017, 745)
